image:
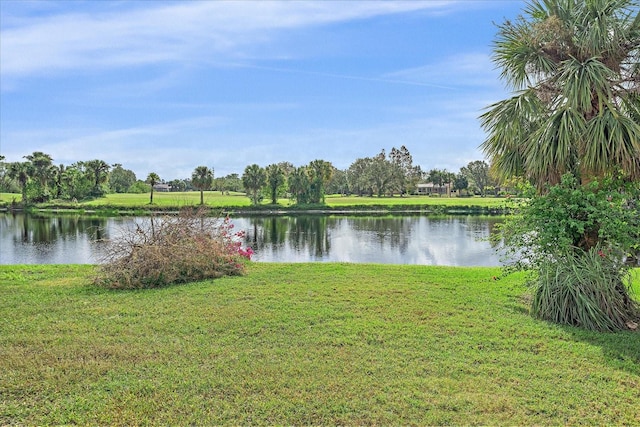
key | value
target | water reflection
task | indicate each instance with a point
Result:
(43, 239)
(393, 239)
(447, 240)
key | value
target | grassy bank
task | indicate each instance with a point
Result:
(303, 344)
(239, 201)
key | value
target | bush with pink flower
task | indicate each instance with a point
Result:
(158, 251)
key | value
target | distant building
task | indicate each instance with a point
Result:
(430, 188)
(162, 187)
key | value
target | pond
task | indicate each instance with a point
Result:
(392, 239)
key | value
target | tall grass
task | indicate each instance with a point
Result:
(585, 289)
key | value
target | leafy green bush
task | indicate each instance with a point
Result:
(574, 240)
(172, 249)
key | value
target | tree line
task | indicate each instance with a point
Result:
(39, 180)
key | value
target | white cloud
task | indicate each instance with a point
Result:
(462, 70)
(184, 31)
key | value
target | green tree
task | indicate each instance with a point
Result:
(7, 183)
(381, 174)
(152, 179)
(76, 182)
(41, 171)
(57, 173)
(573, 129)
(201, 179)
(275, 179)
(121, 179)
(178, 185)
(574, 65)
(20, 172)
(358, 176)
(320, 172)
(98, 171)
(477, 172)
(407, 175)
(460, 182)
(253, 179)
(299, 185)
(439, 178)
(339, 183)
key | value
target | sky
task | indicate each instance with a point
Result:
(166, 86)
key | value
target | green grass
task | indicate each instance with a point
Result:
(321, 344)
(9, 197)
(337, 201)
(176, 199)
(162, 200)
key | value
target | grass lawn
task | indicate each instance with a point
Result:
(240, 200)
(321, 344)
(338, 201)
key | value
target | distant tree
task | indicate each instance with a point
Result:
(358, 176)
(41, 172)
(299, 185)
(7, 183)
(460, 182)
(177, 185)
(139, 187)
(152, 179)
(287, 168)
(275, 179)
(439, 177)
(407, 175)
(381, 174)
(202, 178)
(253, 179)
(120, 179)
(76, 182)
(57, 173)
(339, 183)
(20, 172)
(98, 170)
(320, 172)
(478, 173)
(233, 182)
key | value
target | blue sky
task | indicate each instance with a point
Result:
(166, 86)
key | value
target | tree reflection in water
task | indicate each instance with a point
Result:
(446, 240)
(392, 239)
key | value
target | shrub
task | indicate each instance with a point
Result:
(172, 249)
(587, 289)
(574, 240)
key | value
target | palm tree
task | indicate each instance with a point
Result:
(573, 122)
(275, 178)
(152, 179)
(98, 170)
(202, 178)
(42, 163)
(299, 183)
(575, 66)
(20, 172)
(320, 172)
(253, 179)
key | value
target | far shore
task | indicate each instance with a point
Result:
(239, 204)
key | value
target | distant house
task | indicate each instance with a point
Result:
(162, 187)
(430, 188)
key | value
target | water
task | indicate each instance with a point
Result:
(423, 240)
